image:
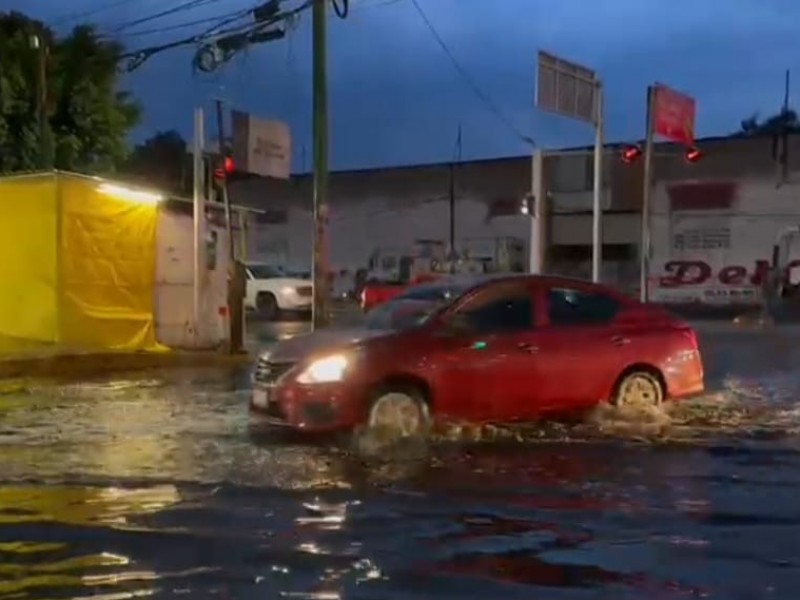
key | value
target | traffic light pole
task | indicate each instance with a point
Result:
(199, 224)
(224, 186)
(644, 250)
(320, 313)
(597, 196)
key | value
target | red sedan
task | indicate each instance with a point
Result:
(479, 350)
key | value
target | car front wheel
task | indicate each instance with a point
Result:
(267, 306)
(398, 414)
(639, 389)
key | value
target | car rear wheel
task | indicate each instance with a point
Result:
(639, 389)
(267, 305)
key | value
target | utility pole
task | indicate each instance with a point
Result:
(644, 252)
(320, 134)
(236, 286)
(452, 251)
(45, 147)
(597, 192)
(783, 133)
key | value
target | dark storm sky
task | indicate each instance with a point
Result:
(396, 98)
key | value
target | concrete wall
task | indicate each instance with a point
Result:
(359, 229)
(175, 285)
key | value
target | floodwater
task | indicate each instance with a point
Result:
(157, 485)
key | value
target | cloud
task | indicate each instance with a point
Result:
(396, 98)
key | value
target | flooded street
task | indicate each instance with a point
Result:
(157, 484)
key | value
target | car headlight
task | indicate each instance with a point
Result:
(287, 291)
(325, 370)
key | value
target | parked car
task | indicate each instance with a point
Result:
(377, 292)
(271, 290)
(480, 350)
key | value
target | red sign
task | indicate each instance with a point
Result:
(673, 115)
(680, 273)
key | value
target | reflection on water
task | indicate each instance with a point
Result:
(567, 521)
(160, 486)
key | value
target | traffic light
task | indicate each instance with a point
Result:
(630, 154)
(223, 168)
(692, 154)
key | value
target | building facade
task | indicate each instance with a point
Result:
(377, 214)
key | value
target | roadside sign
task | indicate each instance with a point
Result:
(566, 88)
(260, 146)
(673, 115)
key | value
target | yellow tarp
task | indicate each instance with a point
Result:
(107, 257)
(28, 267)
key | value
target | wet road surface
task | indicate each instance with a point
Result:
(157, 485)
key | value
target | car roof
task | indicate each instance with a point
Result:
(470, 282)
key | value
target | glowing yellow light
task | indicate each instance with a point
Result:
(325, 370)
(125, 193)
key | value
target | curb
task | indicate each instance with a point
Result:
(83, 365)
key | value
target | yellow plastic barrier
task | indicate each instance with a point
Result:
(107, 265)
(28, 265)
(77, 267)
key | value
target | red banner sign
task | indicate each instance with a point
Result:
(680, 273)
(673, 115)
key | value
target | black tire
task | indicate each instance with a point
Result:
(639, 388)
(267, 306)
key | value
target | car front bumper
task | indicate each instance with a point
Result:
(294, 302)
(314, 409)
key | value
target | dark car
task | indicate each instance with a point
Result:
(479, 350)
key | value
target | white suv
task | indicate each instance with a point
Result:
(271, 290)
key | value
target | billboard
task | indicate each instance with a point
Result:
(261, 147)
(673, 115)
(566, 88)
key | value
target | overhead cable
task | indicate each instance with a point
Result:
(479, 93)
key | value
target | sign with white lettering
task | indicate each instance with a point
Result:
(261, 147)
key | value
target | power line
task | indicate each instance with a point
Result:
(219, 20)
(185, 6)
(247, 34)
(91, 12)
(488, 102)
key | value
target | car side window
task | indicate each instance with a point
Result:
(573, 307)
(505, 309)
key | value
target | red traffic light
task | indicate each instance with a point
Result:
(225, 168)
(692, 155)
(630, 154)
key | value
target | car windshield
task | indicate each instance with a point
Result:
(266, 271)
(414, 307)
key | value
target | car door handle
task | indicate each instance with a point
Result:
(619, 340)
(529, 348)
